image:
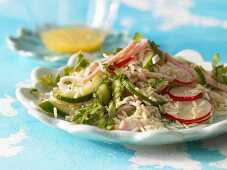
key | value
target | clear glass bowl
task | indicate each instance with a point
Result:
(99, 14)
(92, 13)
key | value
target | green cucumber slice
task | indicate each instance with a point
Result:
(103, 94)
(117, 90)
(199, 74)
(49, 106)
(131, 88)
(75, 100)
(86, 90)
(147, 60)
(96, 81)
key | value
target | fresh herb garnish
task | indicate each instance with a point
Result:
(155, 48)
(215, 60)
(111, 114)
(107, 75)
(117, 50)
(156, 83)
(34, 92)
(137, 37)
(92, 114)
(68, 70)
(81, 64)
(219, 72)
(152, 45)
(50, 80)
(200, 76)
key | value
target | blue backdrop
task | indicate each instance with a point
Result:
(25, 143)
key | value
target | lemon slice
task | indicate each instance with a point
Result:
(73, 39)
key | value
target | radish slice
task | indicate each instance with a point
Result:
(183, 78)
(164, 89)
(185, 94)
(205, 119)
(182, 82)
(189, 112)
(201, 120)
(180, 75)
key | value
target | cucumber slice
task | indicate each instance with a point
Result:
(87, 92)
(117, 90)
(131, 88)
(75, 100)
(147, 60)
(95, 83)
(48, 106)
(199, 74)
(103, 94)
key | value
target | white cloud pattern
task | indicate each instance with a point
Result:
(175, 13)
(9, 146)
(217, 143)
(161, 156)
(6, 107)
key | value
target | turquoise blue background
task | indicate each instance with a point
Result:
(49, 148)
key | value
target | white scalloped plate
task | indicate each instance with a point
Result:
(153, 137)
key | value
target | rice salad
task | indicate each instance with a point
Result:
(136, 88)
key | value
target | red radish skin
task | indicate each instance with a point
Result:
(182, 82)
(185, 114)
(176, 94)
(184, 79)
(204, 120)
(190, 121)
(179, 64)
(189, 98)
(164, 90)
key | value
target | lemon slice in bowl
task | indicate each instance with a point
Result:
(73, 39)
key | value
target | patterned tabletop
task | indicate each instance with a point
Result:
(26, 143)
